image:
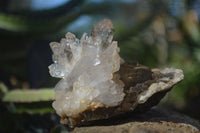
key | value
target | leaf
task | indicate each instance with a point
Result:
(3, 89)
(27, 96)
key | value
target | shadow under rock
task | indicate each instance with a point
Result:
(153, 115)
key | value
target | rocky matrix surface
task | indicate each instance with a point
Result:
(153, 121)
(96, 84)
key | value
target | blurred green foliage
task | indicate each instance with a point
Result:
(28, 96)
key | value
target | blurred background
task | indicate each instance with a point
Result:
(155, 33)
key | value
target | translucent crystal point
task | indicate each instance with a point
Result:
(86, 67)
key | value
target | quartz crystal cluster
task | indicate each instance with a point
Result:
(86, 67)
(96, 84)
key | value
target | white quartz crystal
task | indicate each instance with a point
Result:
(86, 67)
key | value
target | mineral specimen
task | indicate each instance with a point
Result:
(96, 83)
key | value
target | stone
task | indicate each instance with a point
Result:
(97, 84)
(153, 121)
